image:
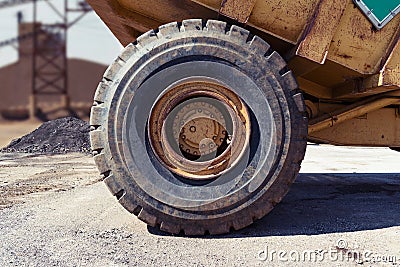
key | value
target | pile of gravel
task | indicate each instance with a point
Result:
(55, 137)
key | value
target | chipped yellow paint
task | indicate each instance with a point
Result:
(391, 70)
(286, 19)
(357, 45)
(238, 10)
(321, 29)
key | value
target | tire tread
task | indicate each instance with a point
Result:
(296, 151)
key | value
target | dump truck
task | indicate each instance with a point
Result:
(201, 123)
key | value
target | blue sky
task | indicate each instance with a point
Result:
(89, 39)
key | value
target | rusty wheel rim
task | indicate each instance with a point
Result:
(199, 128)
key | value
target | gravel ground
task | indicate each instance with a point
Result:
(346, 202)
(23, 176)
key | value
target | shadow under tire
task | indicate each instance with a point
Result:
(263, 128)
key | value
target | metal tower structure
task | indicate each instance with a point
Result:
(11, 3)
(49, 55)
(49, 50)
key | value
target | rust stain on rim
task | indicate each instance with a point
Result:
(199, 129)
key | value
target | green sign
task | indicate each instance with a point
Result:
(379, 12)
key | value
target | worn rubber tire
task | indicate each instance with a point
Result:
(197, 40)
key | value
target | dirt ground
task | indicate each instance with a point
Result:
(10, 130)
(343, 210)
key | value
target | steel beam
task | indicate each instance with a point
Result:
(352, 111)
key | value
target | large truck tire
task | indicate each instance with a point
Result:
(198, 128)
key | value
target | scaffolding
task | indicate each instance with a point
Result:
(49, 56)
(49, 51)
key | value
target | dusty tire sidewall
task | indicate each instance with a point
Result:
(252, 64)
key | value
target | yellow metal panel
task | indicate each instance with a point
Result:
(213, 4)
(127, 19)
(166, 11)
(350, 111)
(331, 74)
(359, 88)
(387, 79)
(356, 50)
(110, 13)
(357, 45)
(349, 92)
(238, 10)
(320, 31)
(314, 89)
(286, 19)
(391, 70)
(378, 128)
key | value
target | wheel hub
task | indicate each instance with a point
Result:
(199, 129)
